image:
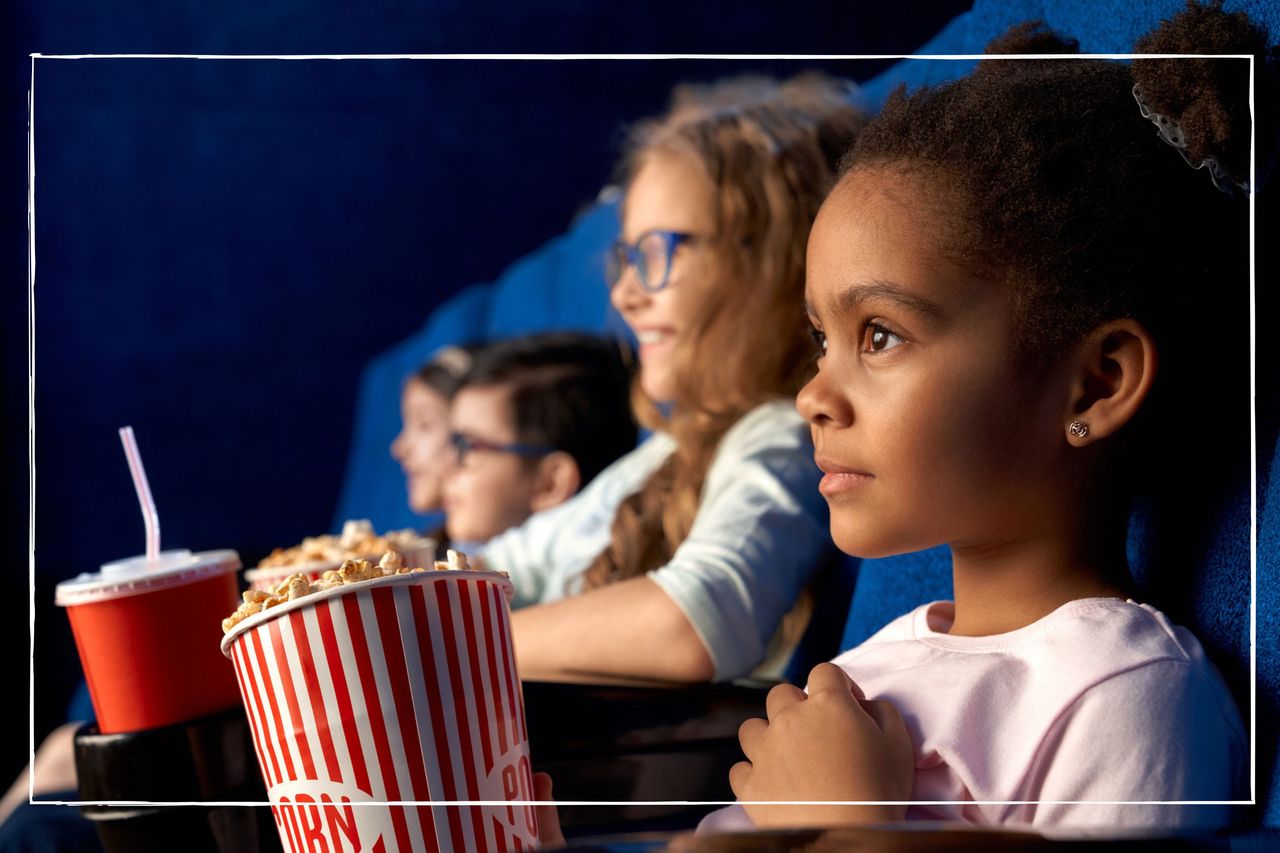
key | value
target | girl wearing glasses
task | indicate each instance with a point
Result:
(680, 560)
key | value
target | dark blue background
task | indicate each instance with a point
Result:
(223, 244)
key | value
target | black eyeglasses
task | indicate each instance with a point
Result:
(650, 255)
(464, 444)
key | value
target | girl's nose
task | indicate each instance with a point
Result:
(627, 293)
(821, 403)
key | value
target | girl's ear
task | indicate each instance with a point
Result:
(1114, 370)
(557, 480)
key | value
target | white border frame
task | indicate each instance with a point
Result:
(1253, 439)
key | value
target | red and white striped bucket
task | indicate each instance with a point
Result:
(402, 688)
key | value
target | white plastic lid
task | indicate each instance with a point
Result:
(135, 575)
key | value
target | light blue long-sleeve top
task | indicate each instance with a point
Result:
(759, 535)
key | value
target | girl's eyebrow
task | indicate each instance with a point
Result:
(855, 294)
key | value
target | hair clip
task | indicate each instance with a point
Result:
(1171, 132)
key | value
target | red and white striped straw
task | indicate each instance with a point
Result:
(149, 516)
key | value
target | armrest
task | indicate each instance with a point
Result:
(627, 742)
(909, 838)
(570, 720)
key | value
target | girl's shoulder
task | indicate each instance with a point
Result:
(1133, 632)
(771, 437)
(774, 423)
(1091, 638)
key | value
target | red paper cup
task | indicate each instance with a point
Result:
(144, 633)
(402, 688)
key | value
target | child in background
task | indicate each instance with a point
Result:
(533, 421)
(422, 447)
(680, 561)
(1003, 266)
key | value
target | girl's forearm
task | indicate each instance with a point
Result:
(629, 629)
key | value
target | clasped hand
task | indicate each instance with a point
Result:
(829, 745)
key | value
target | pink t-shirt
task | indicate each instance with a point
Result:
(1101, 700)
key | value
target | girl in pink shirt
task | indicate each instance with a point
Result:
(1009, 273)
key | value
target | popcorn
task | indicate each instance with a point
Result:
(351, 571)
(298, 587)
(356, 540)
(457, 560)
(354, 571)
(355, 532)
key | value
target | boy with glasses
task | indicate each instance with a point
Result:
(534, 420)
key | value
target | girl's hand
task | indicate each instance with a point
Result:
(832, 744)
(549, 834)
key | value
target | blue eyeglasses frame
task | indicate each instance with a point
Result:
(622, 255)
(464, 444)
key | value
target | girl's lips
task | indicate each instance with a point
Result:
(835, 484)
(838, 479)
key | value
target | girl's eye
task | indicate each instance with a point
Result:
(876, 338)
(819, 339)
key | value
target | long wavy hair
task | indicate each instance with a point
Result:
(770, 150)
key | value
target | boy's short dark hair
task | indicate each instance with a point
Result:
(569, 390)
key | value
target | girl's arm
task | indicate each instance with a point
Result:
(55, 769)
(610, 631)
(760, 533)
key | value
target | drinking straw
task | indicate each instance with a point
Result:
(149, 516)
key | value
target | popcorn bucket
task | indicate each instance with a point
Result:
(267, 578)
(144, 632)
(401, 688)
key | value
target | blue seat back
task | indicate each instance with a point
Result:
(1268, 641)
(888, 587)
(561, 285)
(832, 591)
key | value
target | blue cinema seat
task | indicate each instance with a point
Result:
(559, 287)
(1267, 643)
